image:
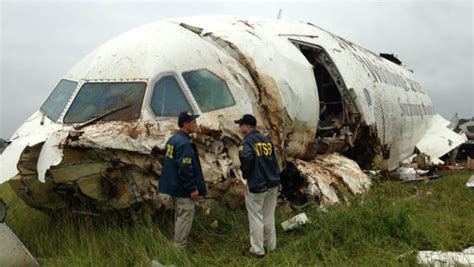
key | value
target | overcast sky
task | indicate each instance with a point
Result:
(41, 41)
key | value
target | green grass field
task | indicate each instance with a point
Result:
(393, 218)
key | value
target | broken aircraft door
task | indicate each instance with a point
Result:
(331, 135)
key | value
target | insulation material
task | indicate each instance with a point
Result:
(332, 171)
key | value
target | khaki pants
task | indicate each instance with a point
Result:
(261, 213)
(183, 219)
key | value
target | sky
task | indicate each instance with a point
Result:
(40, 41)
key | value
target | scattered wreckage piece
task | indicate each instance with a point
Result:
(328, 176)
(466, 150)
(444, 138)
(422, 178)
(12, 250)
(411, 174)
(419, 161)
(447, 258)
(294, 222)
(155, 263)
(470, 182)
(468, 128)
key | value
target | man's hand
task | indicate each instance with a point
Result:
(195, 194)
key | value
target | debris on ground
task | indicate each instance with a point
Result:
(405, 173)
(326, 178)
(155, 263)
(452, 167)
(296, 221)
(470, 182)
(447, 258)
(423, 178)
(214, 224)
(410, 173)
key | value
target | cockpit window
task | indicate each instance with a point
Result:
(57, 100)
(110, 101)
(209, 90)
(168, 100)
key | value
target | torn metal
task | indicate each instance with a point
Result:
(470, 182)
(439, 139)
(330, 177)
(294, 222)
(321, 99)
(447, 258)
(468, 128)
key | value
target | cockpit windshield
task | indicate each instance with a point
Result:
(54, 105)
(209, 90)
(112, 101)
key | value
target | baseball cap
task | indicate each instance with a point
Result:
(186, 116)
(247, 119)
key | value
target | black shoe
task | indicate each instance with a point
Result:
(248, 253)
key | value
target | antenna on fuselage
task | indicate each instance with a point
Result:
(279, 14)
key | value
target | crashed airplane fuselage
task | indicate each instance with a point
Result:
(98, 138)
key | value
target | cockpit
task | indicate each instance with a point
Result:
(200, 90)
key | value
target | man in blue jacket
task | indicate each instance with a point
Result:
(182, 176)
(259, 167)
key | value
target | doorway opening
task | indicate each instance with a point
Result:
(334, 133)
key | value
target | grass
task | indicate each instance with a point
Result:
(392, 219)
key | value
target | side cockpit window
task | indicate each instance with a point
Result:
(168, 100)
(209, 90)
(109, 101)
(57, 100)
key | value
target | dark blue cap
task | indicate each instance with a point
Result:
(247, 119)
(186, 116)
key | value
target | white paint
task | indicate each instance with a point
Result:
(12, 250)
(438, 139)
(470, 182)
(447, 258)
(31, 133)
(296, 221)
(51, 153)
